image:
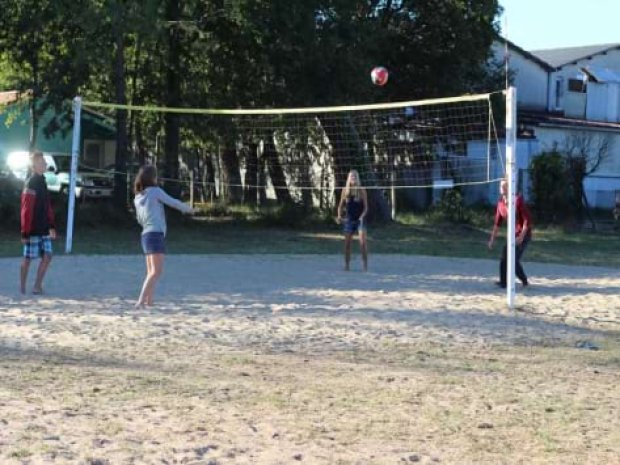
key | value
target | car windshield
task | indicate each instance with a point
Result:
(64, 165)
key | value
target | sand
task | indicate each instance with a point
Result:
(278, 359)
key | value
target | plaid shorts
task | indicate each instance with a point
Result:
(37, 246)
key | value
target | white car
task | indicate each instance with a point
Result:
(89, 183)
(19, 165)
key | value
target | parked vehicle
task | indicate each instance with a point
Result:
(90, 183)
(18, 164)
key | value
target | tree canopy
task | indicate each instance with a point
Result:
(241, 53)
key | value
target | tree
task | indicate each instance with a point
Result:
(584, 154)
(245, 54)
(47, 66)
(558, 176)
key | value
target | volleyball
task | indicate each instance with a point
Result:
(379, 76)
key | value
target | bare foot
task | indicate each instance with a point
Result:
(37, 291)
(139, 305)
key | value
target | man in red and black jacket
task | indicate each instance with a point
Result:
(523, 227)
(37, 223)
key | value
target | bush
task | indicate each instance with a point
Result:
(557, 187)
(99, 214)
(10, 191)
(289, 215)
(451, 208)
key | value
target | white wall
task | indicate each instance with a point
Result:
(610, 60)
(530, 79)
(603, 102)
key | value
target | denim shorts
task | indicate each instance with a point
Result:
(153, 242)
(37, 246)
(353, 226)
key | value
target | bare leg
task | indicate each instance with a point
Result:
(43, 266)
(140, 301)
(23, 275)
(149, 271)
(347, 251)
(364, 249)
(156, 268)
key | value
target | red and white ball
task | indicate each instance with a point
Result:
(379, 76)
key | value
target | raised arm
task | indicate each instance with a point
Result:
(172, 202)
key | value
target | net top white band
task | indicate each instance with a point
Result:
(281, 111)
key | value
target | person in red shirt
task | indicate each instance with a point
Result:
(523, 228)
(37, 224)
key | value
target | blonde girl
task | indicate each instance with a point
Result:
(352, 211)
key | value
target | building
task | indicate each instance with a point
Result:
(97, 145)
(569, 98)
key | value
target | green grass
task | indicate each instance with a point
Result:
(410, 236)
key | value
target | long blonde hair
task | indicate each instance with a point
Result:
(355, 191)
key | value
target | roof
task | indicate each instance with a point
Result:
(105, 125)
(12, 96)
(551, 119)
(558, 57)
(530, 56)
(601, 74)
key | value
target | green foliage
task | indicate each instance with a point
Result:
(10, 189)
(552, 196)
(451, 208)
(99, 214)
(292, 215)
(239, 53)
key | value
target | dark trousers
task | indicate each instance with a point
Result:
(518, 268)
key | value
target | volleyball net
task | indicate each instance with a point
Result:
(304, 155)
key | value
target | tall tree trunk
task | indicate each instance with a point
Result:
(262, 179)
(305, 179)
(135, 100)
(34, 123)
(120, 163)
(251, 175)
(34, 116)
(208, 178)
(276, 173)
(231, 175)
(173, 97)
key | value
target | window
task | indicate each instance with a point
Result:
(92, 154)
(577, 85)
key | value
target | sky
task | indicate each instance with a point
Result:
(541, 24)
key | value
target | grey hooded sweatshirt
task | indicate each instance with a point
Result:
(150, 209)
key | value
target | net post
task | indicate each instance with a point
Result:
(75, 153)
(511, 145)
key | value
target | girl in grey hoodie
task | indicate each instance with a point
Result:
(149, 202)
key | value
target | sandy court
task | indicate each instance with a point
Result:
(287, 359)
